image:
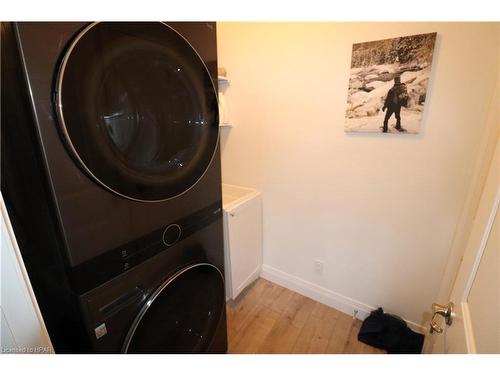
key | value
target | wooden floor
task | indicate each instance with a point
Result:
(268, 318)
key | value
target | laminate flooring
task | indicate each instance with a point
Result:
(267, 318)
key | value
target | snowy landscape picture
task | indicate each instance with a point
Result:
(388, 84)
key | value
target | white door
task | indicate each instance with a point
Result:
(476, 292)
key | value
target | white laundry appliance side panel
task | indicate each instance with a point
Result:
(7, 340)
(23, 329)
(245, 243)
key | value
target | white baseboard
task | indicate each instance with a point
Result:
(323, 295)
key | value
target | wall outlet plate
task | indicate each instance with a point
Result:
(319, 265)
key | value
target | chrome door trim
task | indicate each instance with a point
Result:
(155, 294)
(62, 124)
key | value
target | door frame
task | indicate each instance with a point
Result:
(469, 335)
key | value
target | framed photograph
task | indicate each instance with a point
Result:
(388, 84)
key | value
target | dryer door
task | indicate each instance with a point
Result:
(137, 109)
(182, 315)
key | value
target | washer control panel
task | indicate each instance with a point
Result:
(100, 269)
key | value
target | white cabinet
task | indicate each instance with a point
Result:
(242, 237)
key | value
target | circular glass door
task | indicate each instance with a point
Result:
(182, 315)
(137, 109)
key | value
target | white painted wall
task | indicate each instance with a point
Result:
(380, 210)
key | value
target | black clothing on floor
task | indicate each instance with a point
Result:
(390, 333)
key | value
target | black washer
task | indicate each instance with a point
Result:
(107, 143)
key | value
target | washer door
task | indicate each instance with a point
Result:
(182, 315)
(137, 109)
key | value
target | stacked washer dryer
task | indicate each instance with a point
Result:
(111, 173)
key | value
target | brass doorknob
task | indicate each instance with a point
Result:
(435, 327)
(445, 311)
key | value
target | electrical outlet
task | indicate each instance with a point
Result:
(318, 266)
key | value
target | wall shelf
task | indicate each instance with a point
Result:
(223, 112)
(223, 80)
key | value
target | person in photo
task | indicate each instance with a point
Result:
(396, 98)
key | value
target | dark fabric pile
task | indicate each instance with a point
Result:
(389, 332)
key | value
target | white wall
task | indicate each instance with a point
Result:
(380, 210)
